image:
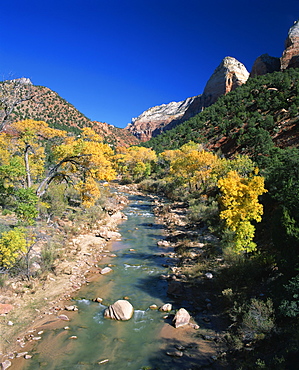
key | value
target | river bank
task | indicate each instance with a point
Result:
(25, 305)
(197, 347)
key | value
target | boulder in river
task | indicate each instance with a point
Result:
(181, 318)
(106, 270)
(120, 310)
(71, 308)
(166, 307)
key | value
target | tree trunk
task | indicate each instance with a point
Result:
(27, 167)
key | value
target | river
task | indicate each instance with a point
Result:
(89, 338)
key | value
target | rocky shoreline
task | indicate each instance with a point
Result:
(24, 306)
(87, 250)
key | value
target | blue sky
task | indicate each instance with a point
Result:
(113, 59)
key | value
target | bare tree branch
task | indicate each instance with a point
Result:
(13, 93)
(54, 172)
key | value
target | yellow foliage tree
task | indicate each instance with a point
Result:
(12, 244)
(28, 137)
(84, 161)
(135, 161)
(192, 166)
(240, 205)
(22, 164)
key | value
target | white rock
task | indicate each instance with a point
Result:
(106, 270)
(166, 307)
(103, 361)
(181, 318)
(120, 310)
(71, 308)
(5, 364)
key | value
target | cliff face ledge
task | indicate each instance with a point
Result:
(173, 109)
(154, 119)
(227, 76)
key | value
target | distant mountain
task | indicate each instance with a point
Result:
(227, 76)
(46, 105)
(155, 120)
(252, 119)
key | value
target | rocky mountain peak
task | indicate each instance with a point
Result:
(23, 81)
(290, 57)
(227, 76)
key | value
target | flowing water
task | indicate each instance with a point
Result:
(126, 344)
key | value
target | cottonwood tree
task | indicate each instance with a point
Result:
(135, 162)
(81, 162)
(27, 168)
(191, 166)
(84, 162)
(240, 205)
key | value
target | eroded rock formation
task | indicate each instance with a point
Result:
(290, 56)
(227, 76)
(265, 64)
(152, 121)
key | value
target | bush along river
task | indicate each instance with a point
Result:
(146, 341)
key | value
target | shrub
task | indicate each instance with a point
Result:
(48, 256)
(290, 306)
(255, 319)
(205, 210)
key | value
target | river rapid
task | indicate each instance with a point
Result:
(88, 340)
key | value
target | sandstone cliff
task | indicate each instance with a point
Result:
(227, 76)
(290, 56)
(289, 59)
(265, 64)
(153, 121)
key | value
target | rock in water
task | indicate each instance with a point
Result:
(166, 307)
(120, 310)
(181, 318)
(106, 270)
